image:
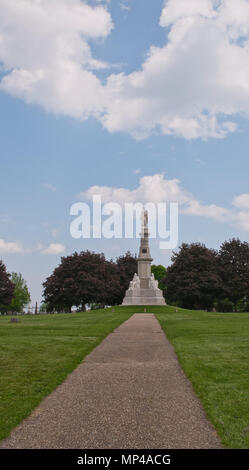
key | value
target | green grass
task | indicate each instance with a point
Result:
(38, 353)
(213, 349)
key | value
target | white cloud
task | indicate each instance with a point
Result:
(241, 201)
(54, 249)
(196, 83)
(157, 188)
(192, 87)
(46, 56)
(211, 211)
(242, 220)
(173, 11)
(100, 1)
(17, 247)
(151, 189)
(10, 247)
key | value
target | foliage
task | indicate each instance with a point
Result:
(199, 278)
(88, 278)
(127, 267)
(224, 305)
(243, 305)
(43, 308)
(76, 281)
(7, 287)
(234, 269)
(21, 295)
(193, 279)
(160, 274)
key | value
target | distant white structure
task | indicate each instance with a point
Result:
(143, 289)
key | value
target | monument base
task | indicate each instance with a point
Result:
(136, 295)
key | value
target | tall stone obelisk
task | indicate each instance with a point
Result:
(144, 258)
(143, 289)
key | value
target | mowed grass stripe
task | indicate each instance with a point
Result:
(37, 354)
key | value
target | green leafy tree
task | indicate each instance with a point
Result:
(234, 270)
(160, 274)
(43, 308)
(193, 280)
(6, 286)
(21, 295)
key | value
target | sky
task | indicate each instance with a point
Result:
(138, 100)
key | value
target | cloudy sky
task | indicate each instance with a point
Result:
(139, 100)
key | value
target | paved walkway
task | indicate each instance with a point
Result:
(130, 392)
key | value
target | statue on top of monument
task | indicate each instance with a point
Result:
(144, 219)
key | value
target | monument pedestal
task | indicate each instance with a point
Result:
(137, 295)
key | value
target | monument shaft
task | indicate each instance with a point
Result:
(144, 258)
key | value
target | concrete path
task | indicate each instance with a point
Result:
(130, 392)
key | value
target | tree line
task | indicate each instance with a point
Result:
(204, 278)
(198, 278)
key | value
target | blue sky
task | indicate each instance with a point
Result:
(131, 93)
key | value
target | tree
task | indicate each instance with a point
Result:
(224, 305)
(113, 290)
(127, 267)
(6, 286)
(160, 274)
(74, 281)
(82, 278)
(21, 295)
(43, 308)
(233, 262)
(193, 280)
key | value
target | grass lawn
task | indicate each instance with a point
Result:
(213, 349)
(38, 353)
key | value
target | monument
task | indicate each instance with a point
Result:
(143, 289)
